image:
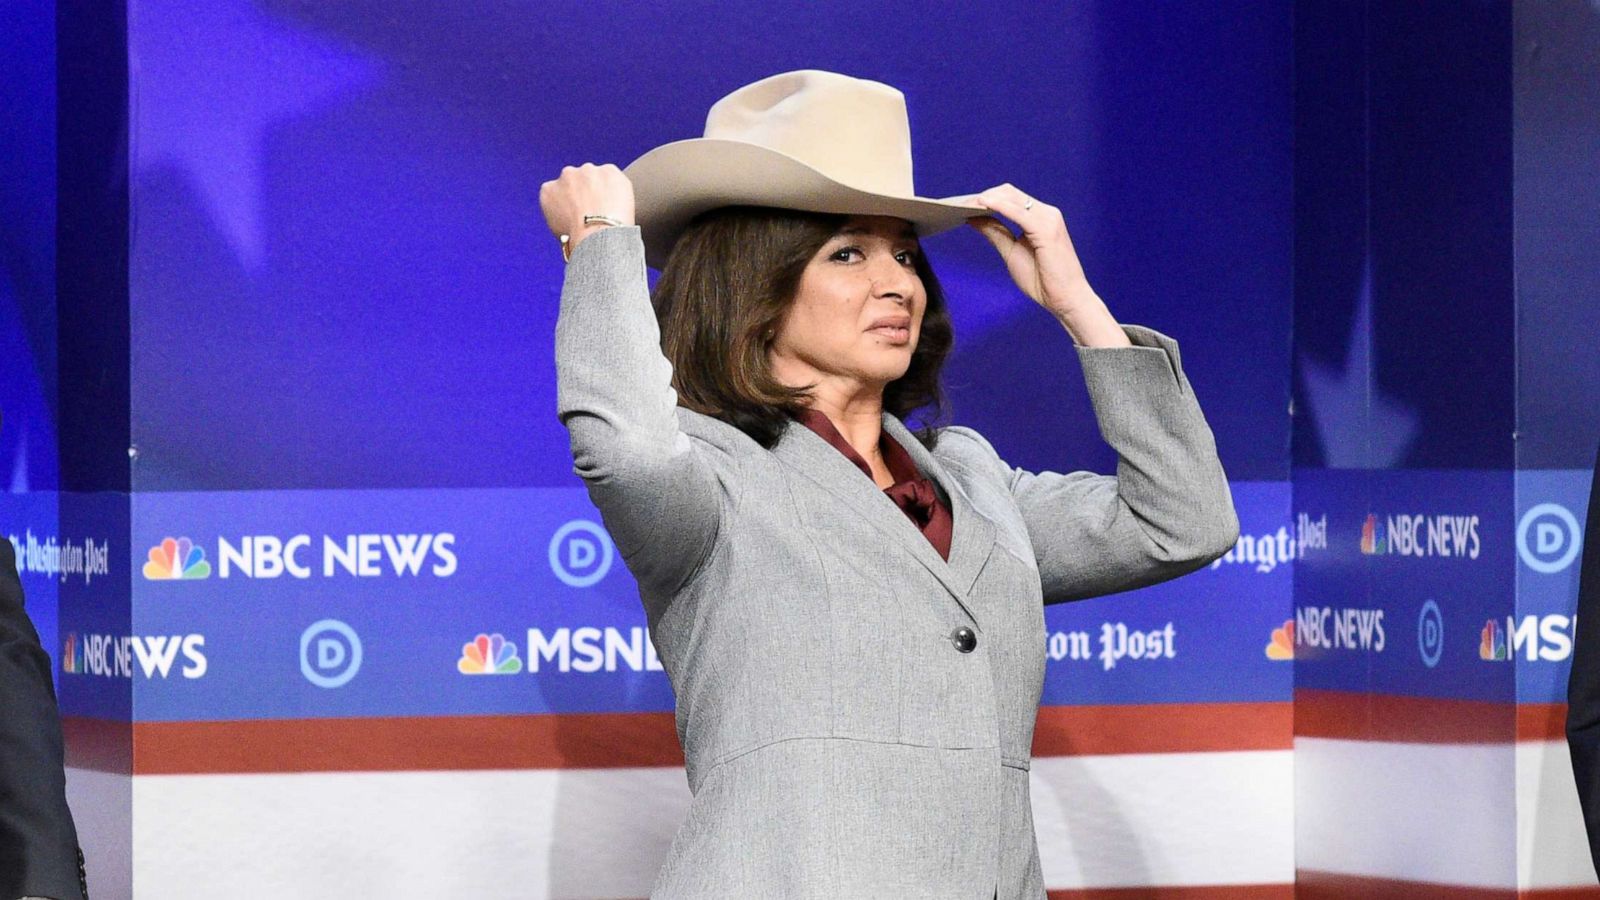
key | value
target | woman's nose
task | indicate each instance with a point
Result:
(892, 278)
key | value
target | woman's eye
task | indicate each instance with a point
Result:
(847, 254)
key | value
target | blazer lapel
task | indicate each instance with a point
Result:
(972, 536)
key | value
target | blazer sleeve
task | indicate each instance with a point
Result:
(1166, 512)
(1583, 684)
(38, 842)
(661, 493)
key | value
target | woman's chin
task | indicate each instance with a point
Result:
(889, 374)
(880, 368)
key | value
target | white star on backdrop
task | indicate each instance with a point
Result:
(207, 82)
(1359, 427)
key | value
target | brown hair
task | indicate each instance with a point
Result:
(731, 277)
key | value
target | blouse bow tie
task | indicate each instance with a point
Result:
(915, 497)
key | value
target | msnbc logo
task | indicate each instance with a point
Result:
(1282, 644)
(489, 654)
(1492, 645)
(1546, 638)
(177, 559)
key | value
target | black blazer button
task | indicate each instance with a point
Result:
(965, 639)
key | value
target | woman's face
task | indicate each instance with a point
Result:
(858, 311)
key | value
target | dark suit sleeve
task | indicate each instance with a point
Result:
(1583, 688)
(38, 843)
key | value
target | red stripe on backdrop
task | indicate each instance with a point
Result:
(1163, 728)
(1190, 892)
(649, 739)
(102, 745)
(1193, 892)
(1542, 722)
(627, 740)
(1404, 720)
(600, 741)
(1330, 886)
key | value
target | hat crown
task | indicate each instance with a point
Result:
(851, 130)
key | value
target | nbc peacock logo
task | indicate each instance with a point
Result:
(1374, 540)
(70, 661)
(489, 654)
(1492, 642)
(1282, 644)
(177, 559)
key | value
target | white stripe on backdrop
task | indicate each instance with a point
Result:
(1552, 847)
(1158, 819)
(1437, 813)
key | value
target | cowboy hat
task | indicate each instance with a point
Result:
(807, 140)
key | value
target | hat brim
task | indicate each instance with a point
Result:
(676, 182)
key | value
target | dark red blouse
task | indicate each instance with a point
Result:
(911, 491)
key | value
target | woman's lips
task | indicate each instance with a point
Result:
(894, 329)
(894, 334)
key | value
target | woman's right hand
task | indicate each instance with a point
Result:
(586, 190)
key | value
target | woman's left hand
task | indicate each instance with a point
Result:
(1045, 265)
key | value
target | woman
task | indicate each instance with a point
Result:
(851, 617)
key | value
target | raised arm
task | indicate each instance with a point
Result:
(1166, 512)
(1168, 509)
(660, 492)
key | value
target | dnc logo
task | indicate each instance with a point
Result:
(489, 654)
(178, 559)
(1549, 538)
(581, 553)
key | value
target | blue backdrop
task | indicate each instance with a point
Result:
(336, 308)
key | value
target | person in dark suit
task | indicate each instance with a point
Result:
(1583, 687)
(39, 855)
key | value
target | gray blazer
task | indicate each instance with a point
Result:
(841, 740)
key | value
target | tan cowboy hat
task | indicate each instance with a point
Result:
(808, 140)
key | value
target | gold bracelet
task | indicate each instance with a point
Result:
(591, 219)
